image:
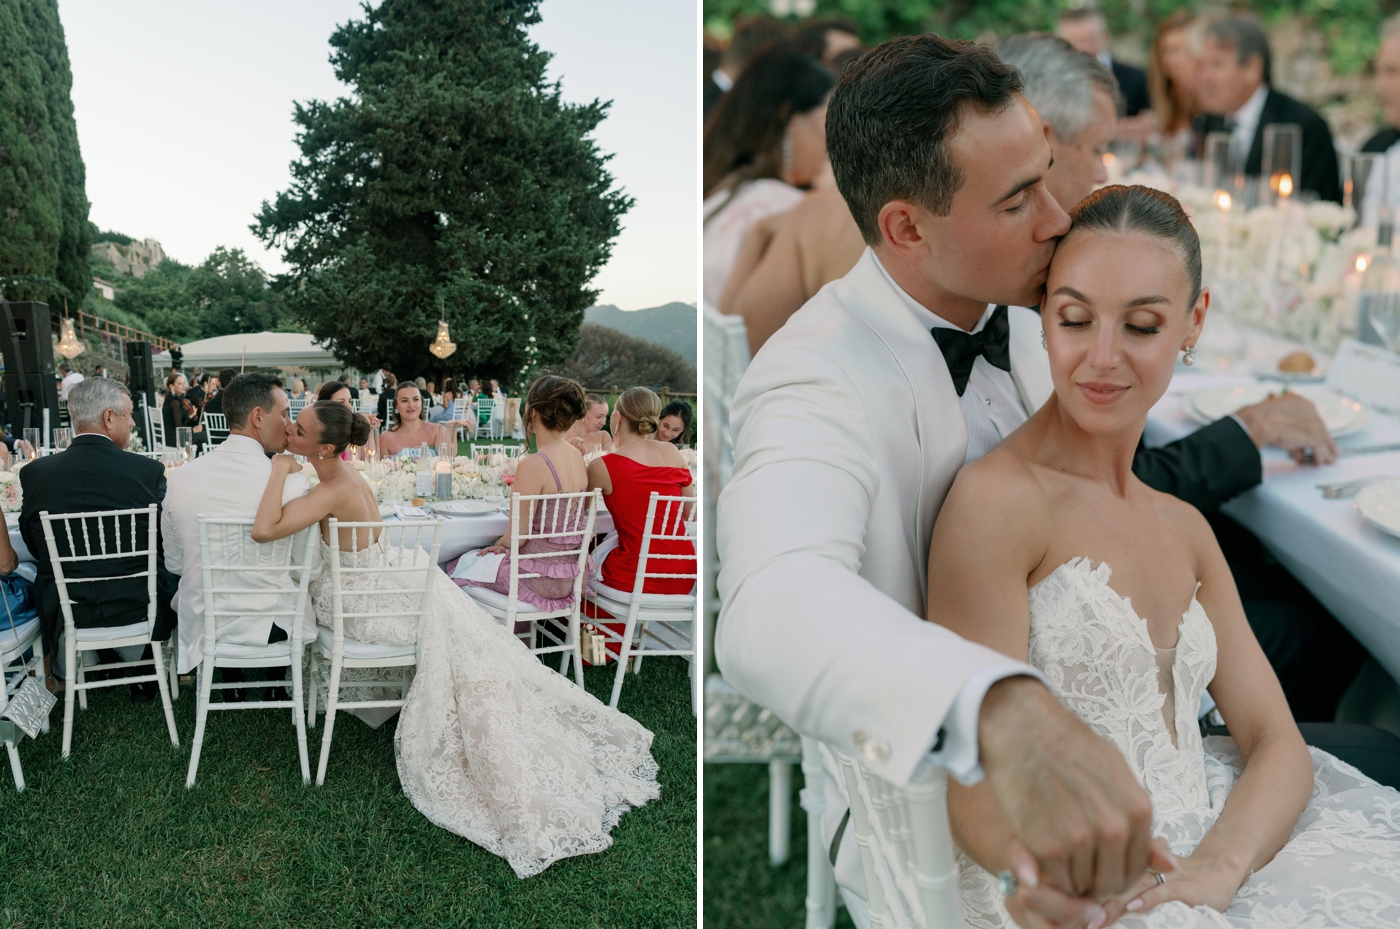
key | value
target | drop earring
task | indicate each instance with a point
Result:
(1190, 357)
(1044, 340)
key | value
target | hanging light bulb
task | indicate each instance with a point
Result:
(68, 344)
(443, 345)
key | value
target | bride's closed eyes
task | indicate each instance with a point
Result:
(1142, 318)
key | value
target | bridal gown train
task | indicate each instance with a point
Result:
(492, 744)
(1341, 866)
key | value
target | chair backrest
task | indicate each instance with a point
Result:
(483, 409)
(401, 588)
(906, 849)
(296, 406)
(369, 404)
(230, 559)
(666, 522)
(459, 408)
(217, 424)
(566, 520)
(155, 423)
(726, 358)
(509, 451)
(80, 543)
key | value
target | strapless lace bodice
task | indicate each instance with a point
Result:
(1099, 661)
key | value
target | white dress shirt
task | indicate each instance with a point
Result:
(226, 483)
(1246, 121)
(67, 384)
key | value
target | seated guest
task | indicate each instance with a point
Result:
(674, 425)
(423, 390)
(827, 39)
(364, 385)
(587, 434)
(1387, 88)
(228, 483)
(386, 396)
(1234, 92)
(96, 473)
(177, 411)
(1171, 74)
(443, 412)
(1086, 30)
(339, 392)
(752, 35)
(552, 405)
(410, 427)
(298, 391)
(215, 404)
(628, 477)
(354, 391)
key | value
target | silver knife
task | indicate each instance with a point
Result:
(1369, 449)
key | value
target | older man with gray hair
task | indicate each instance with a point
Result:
(96, 473)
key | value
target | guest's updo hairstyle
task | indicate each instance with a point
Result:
(340, 426)
(559, 401)
(641, 408)
(1142, 209)
(329, 389)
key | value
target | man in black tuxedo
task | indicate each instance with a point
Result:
(96, 473)
(354, 391)
(1387, 88)
(1087, 31)
(1235, 95)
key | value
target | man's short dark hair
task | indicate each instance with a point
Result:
(1247, 37)
(226, 376)
(248, 392)
(344, 379)
(892, 114)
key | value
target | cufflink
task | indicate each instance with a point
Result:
(874, 751)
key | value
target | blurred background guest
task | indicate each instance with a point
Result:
(423, 389)
(674, 424)
(587, 435)
(1171, 74)
(827, 39)
(354, 391)
(215, 403)
(1387, 88)
(339, 392)
(177, 412)
(1087, 30)
(298, 391)
(764, 144)
(752, 34)
(1235, 96)
(386, 396)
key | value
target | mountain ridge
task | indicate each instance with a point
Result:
(672, 325)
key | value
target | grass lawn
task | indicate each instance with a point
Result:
(742, 890)
(112, 838)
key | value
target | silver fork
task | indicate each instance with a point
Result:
(1339, 489)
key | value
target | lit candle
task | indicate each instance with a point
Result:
(443, 476)
(1285, 186)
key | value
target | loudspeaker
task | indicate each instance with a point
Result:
(27, 344)
(141, 383)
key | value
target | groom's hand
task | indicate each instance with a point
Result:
(1067, 794)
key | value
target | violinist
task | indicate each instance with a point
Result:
(179, 411)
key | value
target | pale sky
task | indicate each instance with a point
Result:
(184, 116)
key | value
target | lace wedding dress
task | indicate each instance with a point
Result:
(492, 744)
(1341, 866)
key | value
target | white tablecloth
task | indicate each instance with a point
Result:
(1351, 567)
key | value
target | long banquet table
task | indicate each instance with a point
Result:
(1350, 566)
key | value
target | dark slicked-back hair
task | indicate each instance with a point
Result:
(1247, 37)
(1142, 209)
(893, 113)
(248, 392)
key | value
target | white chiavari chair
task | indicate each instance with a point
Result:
(89, 539)
(906, 849)
(15, 668)
(296, 406)
(216, 424)
(155, 426)
(674, 616)
(566, 519)
(227, 553)
(413, 560)
(460, 412)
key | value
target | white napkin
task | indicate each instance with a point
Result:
(413, 512)
(479, 566)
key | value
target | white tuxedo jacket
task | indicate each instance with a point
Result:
(848, 434)
(227, 483)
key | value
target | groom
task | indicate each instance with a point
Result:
(228, 483)
(850, 426)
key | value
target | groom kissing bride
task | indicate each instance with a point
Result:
(1078, 612)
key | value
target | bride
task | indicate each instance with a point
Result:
(1052, 551)
(491, 744)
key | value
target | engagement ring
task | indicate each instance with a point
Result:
(1161, 879)
(1009, 883)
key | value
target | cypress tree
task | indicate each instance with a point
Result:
(43, 202)
(453, 176)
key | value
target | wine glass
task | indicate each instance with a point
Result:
(184, 441)
(62, 438)
(32, 438)
(1384, 318)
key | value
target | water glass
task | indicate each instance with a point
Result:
(184, 439)
(62, 438)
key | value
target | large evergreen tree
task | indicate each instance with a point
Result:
(46, 239)
(453, 175)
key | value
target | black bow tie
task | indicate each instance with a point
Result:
(960, 349)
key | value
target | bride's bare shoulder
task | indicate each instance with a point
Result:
(1187, 522)
(1001, 482)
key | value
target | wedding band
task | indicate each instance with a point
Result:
(1008, 883)
(1161, 879)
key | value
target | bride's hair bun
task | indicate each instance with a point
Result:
(641, 408)
(1143, 209)
(340, 426)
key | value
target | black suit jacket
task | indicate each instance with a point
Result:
(1132, 82)
(1319, 169)
(1206, 468)
(1383, 140)
(93, 474)
(215, 404)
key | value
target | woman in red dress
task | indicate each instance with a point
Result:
(628, 476)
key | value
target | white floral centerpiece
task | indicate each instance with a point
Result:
(468, 474)
(11, 496)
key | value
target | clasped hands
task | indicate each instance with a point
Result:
(1083, 853)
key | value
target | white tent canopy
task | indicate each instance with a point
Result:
(256, 350)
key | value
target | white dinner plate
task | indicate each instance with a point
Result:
(464, 508)
(1340, 415)
(1379, 505)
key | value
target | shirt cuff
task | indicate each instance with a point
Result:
(956, 748)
